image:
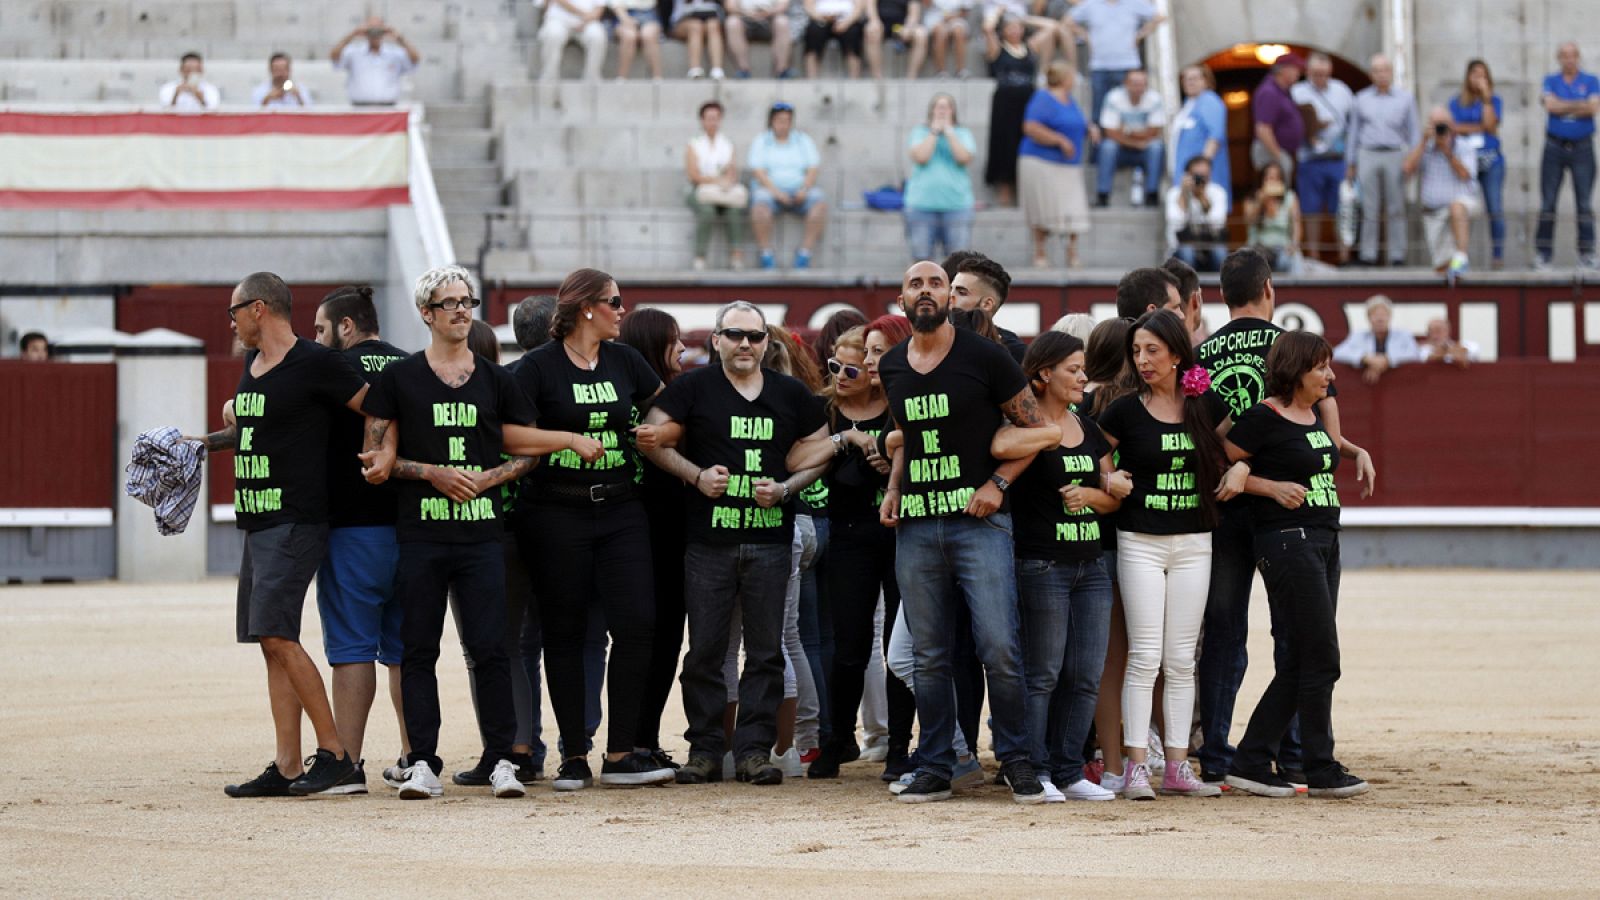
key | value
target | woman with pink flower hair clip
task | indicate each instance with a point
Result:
(1165, 438)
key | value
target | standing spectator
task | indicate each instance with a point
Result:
(373, 72)
(1280, 130)
(1014, 66)
(844, 21)
(946, 23)
(1049, 165)
(1449, 194)
(569, 20)
(279, 90)
(1197, 217)
(1439, 347)
(759, 20)
(715, 193)
(698, 23)
(1377, 350)
(939, 192)
(1476, 112)
(1114, 29)
(638, 28)
(1043, 33)
(35, 347)
(1321, 167)
(784, 163)
(1272, 213)
(899, 21)
(190, 91)
(1572, 98)
(1201, 128)
(1132, 118)
(1382, 127)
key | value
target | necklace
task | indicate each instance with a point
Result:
(591, 363)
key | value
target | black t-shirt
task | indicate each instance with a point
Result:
(1236, 357)
(751, 438)
(1012, 343)
(1281, 450)
(1044, 527)
(285, 417)
(352, 502)
(855, 489)
(600, 404)
(893, 12)
(445, 426)
(948, 418)
(1163, 461)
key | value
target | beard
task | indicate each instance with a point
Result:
(925, 322)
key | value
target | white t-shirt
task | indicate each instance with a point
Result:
(556, 14)
(186, 100)
(374, 77)
(287, 101)
(1121, 112)
(711, 155)
(1184, 210)
(761, 7)
(836, 8)
(1016, 8)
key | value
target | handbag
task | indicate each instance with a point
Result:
(733, 196)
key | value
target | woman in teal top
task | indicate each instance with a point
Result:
(1273, 214)
(938, 203)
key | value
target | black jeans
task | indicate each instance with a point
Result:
(860, 565)
(1301, 571)
(428, 574)
(754, 578)
(667, 545)
(588, 554)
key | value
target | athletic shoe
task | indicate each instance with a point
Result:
(1084, 789)
(807, 757)
(1156, 758)
(1025, 786)
(699, 770)
(789, 763)
(1052, 794)
(873, 753)
(802, 259)
(1338, 785)
(634, 769)
(968, 773)
(831, 757)
(395, 775)
(1180, 781)
(504, 780)
(1136, 782)
(742, 75)
(926, 787)
(420, 782)
(1589, 261)
(1541, 264)
(899, 763)
(1293, 774)
(695, 73)
(528, 771)
(270, 783)
(574, 775)
(768, 260)
(757, 768)
(717, 74)
(1260, 784)
(904, 782)
(1213, 776)
(1458, 266)
(328, 774)
(1114, 783)
(477, 776)
(1093, 769)
(662, 759)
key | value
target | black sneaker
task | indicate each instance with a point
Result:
(1101, 201)
(574, 775)
(828, 761)
(528, 771)
(1337, 784)
(925, 788)
(1152, 200)
(899, 763)
(757, 768)
(330, 775)
(1213, 776)
(1025, 786)
(1292, 774)
(268, 784)
(663, 759)
(1260, 784)
(477, 776)
(700, 770)
(634, 769)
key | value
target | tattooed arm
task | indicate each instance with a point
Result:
(1023, 411)
(378, 450)
(226, 439)
(510, 470)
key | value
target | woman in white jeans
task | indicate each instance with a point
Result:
(1165, 439)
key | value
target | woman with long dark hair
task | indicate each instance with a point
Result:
(1476, 114)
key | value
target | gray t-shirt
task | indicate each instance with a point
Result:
(1112, 25)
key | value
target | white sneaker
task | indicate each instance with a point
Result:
(1156, 759)
(875, 753)
(420, 783)
(789, 763)
(1052, 794)
(1114, 783)
(504, 780)
(696, 72)
(717, 74)
(905, 781)
(1084, 789)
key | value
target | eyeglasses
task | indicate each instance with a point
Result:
(233, 311)
(453, 304)
(615, 302)
(739, 335)
(850, 372)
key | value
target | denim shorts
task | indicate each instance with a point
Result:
(760, 196)
(355, 596)
(640, 17)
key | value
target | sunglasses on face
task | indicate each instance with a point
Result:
(453, 304)
(850, 372)
(739, 335)
(233, 311)
(614, 302)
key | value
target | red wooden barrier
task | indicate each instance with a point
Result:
(58, 425)
(202, 311)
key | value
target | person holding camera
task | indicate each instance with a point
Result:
(1449, 195)
(279, 90)
(1272, 213)
(1197, 217)
(374, 72)
(190, 91)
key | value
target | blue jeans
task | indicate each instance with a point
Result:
(1066, 621)
(1200, 259)
(950, 229)
(1559, 157)
(1101, 81)
(1316, 183)
(942, 564)
(816, 627)
(1492, 177)
(1114, 156)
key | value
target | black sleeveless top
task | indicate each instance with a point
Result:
(1009, 71)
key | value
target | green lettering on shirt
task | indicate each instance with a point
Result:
(941, 468)
(455, 415)
(750, 428)
(265, 500)
(928, 406)
(600, 392)
(249, 403)
(250, 467)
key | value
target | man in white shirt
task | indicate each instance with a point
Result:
(190, 92)
(1378, 349)
(1132, 121)
(1321, 159)
(374, 71)
(1197, 218)
(279, 90)
(1439, 347)
(568, 20)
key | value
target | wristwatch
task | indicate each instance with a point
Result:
(838, 443)
(1000, 482)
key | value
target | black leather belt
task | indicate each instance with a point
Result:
(585, 493)
(1566, 142)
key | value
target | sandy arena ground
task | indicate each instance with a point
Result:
(1468, 700)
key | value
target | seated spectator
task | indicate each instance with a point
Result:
(899, 21)
(190, 91)
(844, 21)
(715, 194)
(938, 198)
(1439, 347)
(759, 20)
(1132, 120)
(948, 30)
(1377, 350)
(374, 72)
(566, 21)
(638, 27)
(35, 347)
(698, 23)
(1042, 33)
(783, 163)
(1272, 213)
(1449, 194)
(279, 90)
(1197, 218)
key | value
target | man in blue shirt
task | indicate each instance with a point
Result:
(1572, 98)
(783, 167)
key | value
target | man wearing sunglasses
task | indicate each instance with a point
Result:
(741, 426)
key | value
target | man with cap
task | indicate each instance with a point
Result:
(1280, 130)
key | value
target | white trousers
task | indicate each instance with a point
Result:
(1164, 580)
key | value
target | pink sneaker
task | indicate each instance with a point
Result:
(1136, 783)
(1180, 780)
